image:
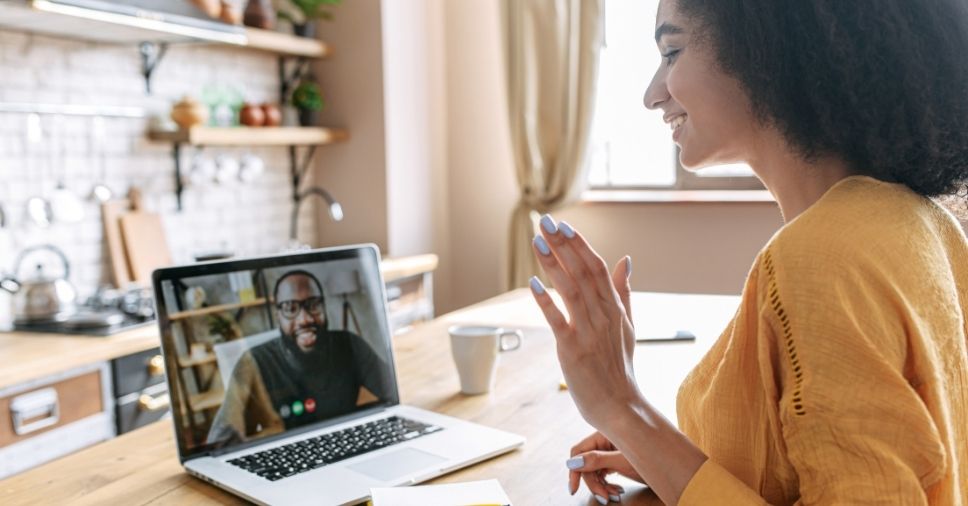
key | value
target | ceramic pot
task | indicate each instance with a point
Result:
(272, 114)
(251, 115)
(212, 8)
(260, 14)
(307, 29)
(231, 14)
(308, 118)
(189, 113)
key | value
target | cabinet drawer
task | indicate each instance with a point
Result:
(141, 408)
(43, 407)
(138, 371)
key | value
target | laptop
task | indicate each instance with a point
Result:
(283, 384)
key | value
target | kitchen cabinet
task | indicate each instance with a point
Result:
(140, 392)
(46, 418)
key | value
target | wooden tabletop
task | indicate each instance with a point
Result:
(27, 356)
(142, 467)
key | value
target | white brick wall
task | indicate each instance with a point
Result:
(245, 218)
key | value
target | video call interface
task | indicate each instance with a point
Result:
(260, 352)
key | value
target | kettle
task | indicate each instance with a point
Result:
(41, 298)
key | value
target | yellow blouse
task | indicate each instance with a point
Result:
(843, 377)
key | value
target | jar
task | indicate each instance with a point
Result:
(188, 113)
(251, 115)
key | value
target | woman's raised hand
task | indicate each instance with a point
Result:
(596, 341)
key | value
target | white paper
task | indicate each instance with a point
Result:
(451, 494)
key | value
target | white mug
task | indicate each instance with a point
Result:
(475, 349)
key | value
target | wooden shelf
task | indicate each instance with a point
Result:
(395, 269)
(193, 361)
(206, 400)
(128, 25)
(245, 136)
(285, 44)
(193, 313)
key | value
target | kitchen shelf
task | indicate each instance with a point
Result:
(246, 136)
(286, 45)
(206, 400)
(73, 21)
(193, 313)
(190, 361)
(152, 31)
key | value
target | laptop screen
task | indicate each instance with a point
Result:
(262, 347)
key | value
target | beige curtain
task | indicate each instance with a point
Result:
(552, 51)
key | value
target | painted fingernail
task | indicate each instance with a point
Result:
(615, 498)
(542, 245)
(566, 229)
(621, 489)
(628, 267)
(575, 462)
(601, 500)
(537, 286)
(548, 223)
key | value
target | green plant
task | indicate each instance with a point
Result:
(299, 12)
(307, 96)
(222, 326)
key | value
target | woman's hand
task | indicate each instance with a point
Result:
(596, 342)
(594, 458)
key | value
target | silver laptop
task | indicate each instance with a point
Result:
(283, 386)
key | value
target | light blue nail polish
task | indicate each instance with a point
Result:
(615, 498)
(542, 245)
(575, 462)
(566, 229)
(548, 223)
(628, 267)
(621, 490)
(537, 286)
(601, 500)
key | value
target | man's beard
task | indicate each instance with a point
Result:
(305, 339)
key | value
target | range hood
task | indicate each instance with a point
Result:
(120, 21)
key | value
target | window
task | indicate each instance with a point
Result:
(631, 146)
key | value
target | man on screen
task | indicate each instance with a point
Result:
(309, 373)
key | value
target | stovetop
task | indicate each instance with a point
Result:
(136, 305)
(129, 323)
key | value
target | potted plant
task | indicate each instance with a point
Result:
(302, 13)
(308, 100)
(224, 328)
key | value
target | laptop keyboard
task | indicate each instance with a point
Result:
(312, 453)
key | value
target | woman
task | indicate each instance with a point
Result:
(843, 377)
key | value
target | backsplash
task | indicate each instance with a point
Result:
(244, 218)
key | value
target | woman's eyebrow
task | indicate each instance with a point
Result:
(666, 29)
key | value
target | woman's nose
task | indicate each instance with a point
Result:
(656, 93)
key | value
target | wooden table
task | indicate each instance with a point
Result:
(142, 467)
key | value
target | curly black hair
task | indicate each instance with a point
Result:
(881, 83)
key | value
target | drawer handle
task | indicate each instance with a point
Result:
(156, 366)
(30, 406)
(149, 403)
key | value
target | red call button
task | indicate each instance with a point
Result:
(310, 405)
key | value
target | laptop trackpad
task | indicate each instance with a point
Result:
(393, 465)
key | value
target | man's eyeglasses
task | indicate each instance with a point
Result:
(290, 308)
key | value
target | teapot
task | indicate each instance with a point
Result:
(41, 298)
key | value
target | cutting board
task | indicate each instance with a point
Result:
(111, 212)
(145, 246)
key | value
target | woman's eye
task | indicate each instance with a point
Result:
(670, 56)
